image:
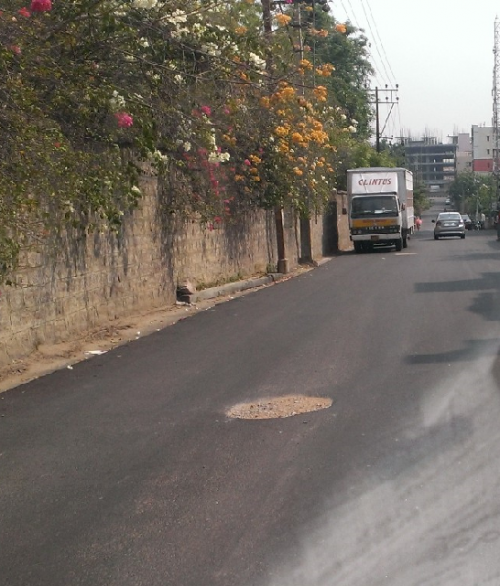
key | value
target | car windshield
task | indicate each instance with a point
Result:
(380, 205)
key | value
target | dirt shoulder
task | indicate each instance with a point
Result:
(49, 358)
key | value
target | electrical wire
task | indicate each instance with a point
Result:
(351, 15)
(374, 41)
(384, 57)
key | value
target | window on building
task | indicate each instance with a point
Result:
(487, 151)
(487, 138)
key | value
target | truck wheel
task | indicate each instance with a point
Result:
(399, 245)
(358, 247)
(405, 241)
(436, 237)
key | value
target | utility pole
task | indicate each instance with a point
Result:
(282, 264)
(496, 106)
(391, 99)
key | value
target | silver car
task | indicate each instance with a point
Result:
(449, 224)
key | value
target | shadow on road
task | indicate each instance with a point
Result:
(472, 350)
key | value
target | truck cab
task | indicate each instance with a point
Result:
(379, 213)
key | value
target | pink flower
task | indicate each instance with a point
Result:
(247, 162)
(206, 110)
(41, 5)
(217, 219)
(124, 120)
(15, 49)
(227, 110)
(24, 12)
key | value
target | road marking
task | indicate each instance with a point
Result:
(405, 253)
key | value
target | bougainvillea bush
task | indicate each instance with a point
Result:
(228, 115)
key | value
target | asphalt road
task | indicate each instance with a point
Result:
(125, 471)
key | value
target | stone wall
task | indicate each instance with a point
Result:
(82, 283)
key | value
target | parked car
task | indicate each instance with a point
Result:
(448, 224)
(469, 223)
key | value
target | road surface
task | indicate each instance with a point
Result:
(126, 471)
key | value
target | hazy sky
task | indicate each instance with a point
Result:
(440, 52)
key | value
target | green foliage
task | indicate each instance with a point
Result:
(471, 192)
(349, 86)
(221, 110)
(421, 201)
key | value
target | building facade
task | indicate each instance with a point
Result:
(483, 149)
(433, 163)
(464, 152)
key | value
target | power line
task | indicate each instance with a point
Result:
(374, 41)
(355, 20)
(379, 38)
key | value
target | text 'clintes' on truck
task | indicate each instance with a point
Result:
(380, 207)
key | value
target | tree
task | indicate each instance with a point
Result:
(94, 92)
(472, 192)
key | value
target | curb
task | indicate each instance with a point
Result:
(238, 286)
(231, 288)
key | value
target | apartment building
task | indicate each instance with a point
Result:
(432, 163)
(483, 149)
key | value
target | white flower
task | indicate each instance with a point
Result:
(257, 61)
(187, 146)
(146, 4)
(215, 157)
(212, 140)
(352, 129)
(198, 28)
(211, 49)
(179, 32)
(117, 102)
(159, 157)
(177, 17)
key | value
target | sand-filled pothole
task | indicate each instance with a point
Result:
(278, 407)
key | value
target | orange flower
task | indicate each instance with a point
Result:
(280, 131)
(287, 92)
(283, 19)
(340, 28)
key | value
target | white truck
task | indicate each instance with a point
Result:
(380, 207)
